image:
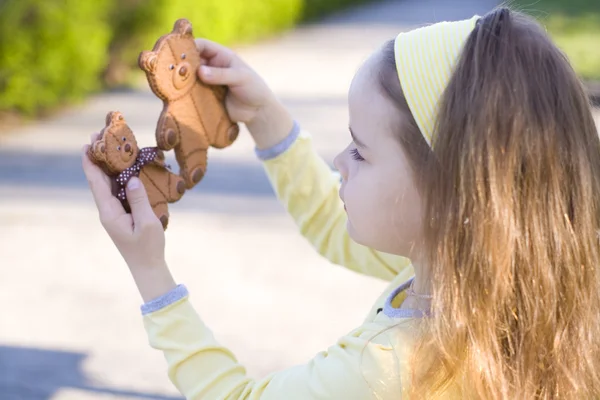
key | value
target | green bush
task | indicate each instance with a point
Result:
(51, 51)
(317, 8)
(575, 27)
(224, 21)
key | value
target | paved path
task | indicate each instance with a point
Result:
(70, 325)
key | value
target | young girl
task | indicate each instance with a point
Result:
(474, 154)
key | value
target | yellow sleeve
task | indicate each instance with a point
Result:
(361, 365)
(308, 189)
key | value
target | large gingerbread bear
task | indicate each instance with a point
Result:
(194, 116)
(116, 151)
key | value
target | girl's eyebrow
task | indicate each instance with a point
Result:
(356, 140)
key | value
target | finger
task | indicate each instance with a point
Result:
(221, 76)
(92, 171)
(90, 166)
(216, 54)
(108, 206)
(141, 211)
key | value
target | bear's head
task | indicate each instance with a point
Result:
(116, 149)
(172, 64)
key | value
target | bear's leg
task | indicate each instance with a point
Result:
(221, 131)
(226, 133)
(151, 177)
(193, 167)
(162, 212)
(171, 185)
(167, 132)
(176, 187)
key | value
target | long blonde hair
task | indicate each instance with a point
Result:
(512, 193)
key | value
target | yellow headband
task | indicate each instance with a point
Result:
(425, 58)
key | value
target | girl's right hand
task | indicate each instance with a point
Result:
(249, 99)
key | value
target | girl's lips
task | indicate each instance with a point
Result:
(342, 199)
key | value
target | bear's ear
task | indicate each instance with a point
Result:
(98, 151)
(114, 118)
(147, 61)
(183, 27)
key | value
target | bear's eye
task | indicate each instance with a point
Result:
(124, 138)
(119, 148)
(171, 66)
(183, 56)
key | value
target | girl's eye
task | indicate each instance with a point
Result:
(356, 155)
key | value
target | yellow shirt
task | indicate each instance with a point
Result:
(367, 363)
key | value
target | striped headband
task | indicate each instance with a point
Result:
(425, 58)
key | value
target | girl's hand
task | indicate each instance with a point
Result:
(249, 94)
(249, 99)
(138, 236)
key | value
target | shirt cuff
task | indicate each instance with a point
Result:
(280, 148)
(174, 295)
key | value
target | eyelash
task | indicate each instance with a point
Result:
(356, 155)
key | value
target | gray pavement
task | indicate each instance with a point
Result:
(70, 326)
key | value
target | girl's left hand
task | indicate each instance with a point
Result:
(138, 236)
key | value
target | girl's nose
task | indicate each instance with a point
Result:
(339, 165)
(128, 147)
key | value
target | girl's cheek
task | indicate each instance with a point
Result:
(354, 168)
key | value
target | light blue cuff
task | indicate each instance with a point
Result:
(175, 294)
(281, 147)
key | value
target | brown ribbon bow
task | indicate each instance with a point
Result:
(145, 156)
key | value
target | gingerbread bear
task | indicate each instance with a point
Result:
(194, 116)
(116, 151)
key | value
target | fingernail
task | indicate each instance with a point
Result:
(133, 184)
(205, 70)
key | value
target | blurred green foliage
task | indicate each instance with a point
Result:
(138, 23)
(53, 52)
(315, 8)
(50, 51)
(575, 27)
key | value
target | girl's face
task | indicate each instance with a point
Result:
(378, 188)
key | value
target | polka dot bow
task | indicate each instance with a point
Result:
(145, 156)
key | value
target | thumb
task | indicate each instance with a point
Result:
(141, 211)
(220, 76)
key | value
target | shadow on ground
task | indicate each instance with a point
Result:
(51, 371)
(63, 170)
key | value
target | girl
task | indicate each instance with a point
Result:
(474, 154)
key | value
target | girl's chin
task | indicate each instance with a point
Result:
(351, 231)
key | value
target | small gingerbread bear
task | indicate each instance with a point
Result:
(194, 116)
(116, 151)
